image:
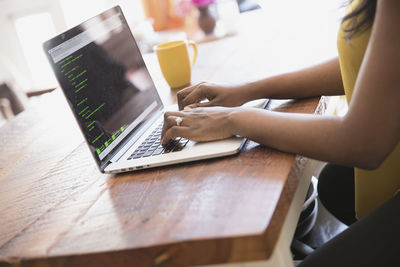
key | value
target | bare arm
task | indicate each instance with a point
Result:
(371, 128)
(323, 79)
(363, 138)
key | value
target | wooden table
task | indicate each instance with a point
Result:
(57, 209)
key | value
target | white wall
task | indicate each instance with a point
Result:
(313, 17)
(132, 9)
(64, 13)
(12, 60)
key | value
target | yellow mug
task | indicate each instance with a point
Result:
(175, 62)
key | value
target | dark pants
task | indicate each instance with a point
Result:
(336, 192)
(372, 241)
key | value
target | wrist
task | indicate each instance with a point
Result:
(256, 90)
(240, 95)
(235, 120)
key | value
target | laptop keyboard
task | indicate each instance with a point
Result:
(152, 146)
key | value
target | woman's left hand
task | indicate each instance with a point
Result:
(198, 124)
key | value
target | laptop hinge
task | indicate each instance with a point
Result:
(133, 138)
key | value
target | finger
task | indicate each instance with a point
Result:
(203, 104)
(183, 93)
(195, 96)
(171, 121)
(176, 131)
(172, 113)
(169, 114)
(190, 107)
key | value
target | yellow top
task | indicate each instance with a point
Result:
(372, 188)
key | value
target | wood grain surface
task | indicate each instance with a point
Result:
(57, 209)
(56, 204)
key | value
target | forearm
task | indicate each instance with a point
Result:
(319, 137)
(323, 79)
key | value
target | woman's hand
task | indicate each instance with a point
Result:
(228, 96)
(198, 124)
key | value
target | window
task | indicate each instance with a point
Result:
(77, 11)
(32, 31)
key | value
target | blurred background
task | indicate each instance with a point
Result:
(25, 25)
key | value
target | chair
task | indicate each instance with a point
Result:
(306, 222)
(371, 241)
(10, 101)
(316, 224)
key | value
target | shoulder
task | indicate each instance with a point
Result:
(388, 11)
(385, 29)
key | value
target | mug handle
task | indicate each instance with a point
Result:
(194, 46)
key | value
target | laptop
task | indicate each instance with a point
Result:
(114, 100)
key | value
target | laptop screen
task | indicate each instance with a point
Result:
(102, 73)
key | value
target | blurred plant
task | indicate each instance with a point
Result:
(202, 3)
(184, 7)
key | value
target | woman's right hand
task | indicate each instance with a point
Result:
(227, 96)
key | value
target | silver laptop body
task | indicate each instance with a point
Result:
(114, 100)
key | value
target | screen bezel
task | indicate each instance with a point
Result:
(62, 37)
